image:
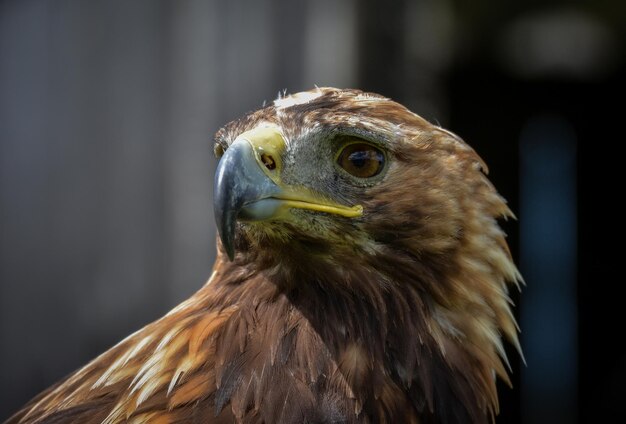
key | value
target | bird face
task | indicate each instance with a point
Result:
(340, 170)
(250, 179)
(292, 174)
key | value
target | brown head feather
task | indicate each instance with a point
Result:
(395, 316)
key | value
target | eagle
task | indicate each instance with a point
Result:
(361, 277)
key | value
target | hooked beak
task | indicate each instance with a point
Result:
(248, 186)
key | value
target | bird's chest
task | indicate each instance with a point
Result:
(280, 368)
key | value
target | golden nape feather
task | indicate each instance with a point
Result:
(361, 276)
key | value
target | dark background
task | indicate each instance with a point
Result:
(107, 110)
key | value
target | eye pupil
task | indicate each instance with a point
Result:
(361, 160)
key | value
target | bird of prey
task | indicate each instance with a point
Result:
(361, 277)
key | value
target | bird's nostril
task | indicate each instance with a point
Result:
(268, 161)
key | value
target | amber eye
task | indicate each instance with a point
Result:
(361, 160)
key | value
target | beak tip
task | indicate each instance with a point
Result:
(230, 252)
(226, 232)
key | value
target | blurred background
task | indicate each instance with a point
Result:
(107, 112)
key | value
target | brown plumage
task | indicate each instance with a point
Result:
(377, 298)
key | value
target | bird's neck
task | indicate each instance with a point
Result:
(380, 316)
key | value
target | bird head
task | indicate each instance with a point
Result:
(336, 175)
